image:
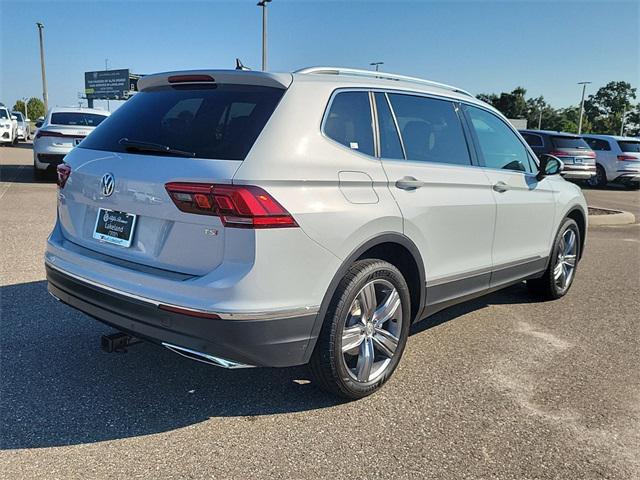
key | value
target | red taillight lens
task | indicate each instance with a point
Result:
(556, 153)
(240, 206)
(64, 171)
(590, 154)
(628, 158)
(190, 78)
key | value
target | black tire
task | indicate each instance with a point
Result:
(546, 286)
(633, 186)
(599, 180)
(327, 365)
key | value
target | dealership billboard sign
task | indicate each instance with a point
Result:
(108, 84)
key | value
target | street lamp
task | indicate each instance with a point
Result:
(26, 112)
(45, 97)
(376, 64)
(263, 4)
(584, 87)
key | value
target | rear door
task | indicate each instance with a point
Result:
(525, 206)
(446, 202)
(171, 133)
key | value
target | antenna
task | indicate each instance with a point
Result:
(240, 66)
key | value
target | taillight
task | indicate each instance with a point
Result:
(556, 153)
(46, 133)
(63, 171)
(240, 206)
(628, 158)
(590, 154)
(190, 78)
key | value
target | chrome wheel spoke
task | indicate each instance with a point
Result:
(367, 299)
(365, 360)
(388, 309)
(558, 271)
(570, 260)
(351, 338)
(386, 342)
(570, 242)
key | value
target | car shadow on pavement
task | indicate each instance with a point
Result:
(24, 174)
(58, 388)
(516, 294)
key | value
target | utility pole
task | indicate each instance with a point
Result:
(106, 67)
(263, 4)
(624, 117)
(377, 65)
(45, 96)
(540, 120)
(584, 87)
(26, 113)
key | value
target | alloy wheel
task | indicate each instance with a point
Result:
(566, 260)
(372, 330)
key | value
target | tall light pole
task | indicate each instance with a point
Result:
(584, 87)
(26, 112)
(377, 65)
(624, 117)
(45, 96)
(263, 4)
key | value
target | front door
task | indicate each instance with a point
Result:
(525, 205)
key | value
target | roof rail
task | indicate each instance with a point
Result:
(381, 75)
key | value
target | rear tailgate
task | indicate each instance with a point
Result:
(185, 133)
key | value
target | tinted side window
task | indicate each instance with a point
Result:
(597, 144)
(499, 146)
(430, 129)
(349, 121)
(389, 140)
(532, 140)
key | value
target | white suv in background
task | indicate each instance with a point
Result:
(63, 128)
(617, 160)
(8, 126)
(306, 217)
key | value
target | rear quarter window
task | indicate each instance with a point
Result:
(629, 146)
(349, 122)
(211, 121)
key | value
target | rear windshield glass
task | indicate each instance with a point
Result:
(630, 146)
(569, 142)
(217, 121)
(77, 119)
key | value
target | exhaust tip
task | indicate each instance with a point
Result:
(204, 357)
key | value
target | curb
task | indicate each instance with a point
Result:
(618, 218)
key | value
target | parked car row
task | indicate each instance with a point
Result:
(594, 159)
(62, 129)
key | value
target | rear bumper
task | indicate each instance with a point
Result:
(270, 342)
(627, 176)
(578, 172)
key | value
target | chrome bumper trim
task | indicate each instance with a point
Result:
(224, 315)
(204, 357)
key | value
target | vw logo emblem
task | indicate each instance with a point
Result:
(107, 184)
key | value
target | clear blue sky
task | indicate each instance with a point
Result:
(481, 46)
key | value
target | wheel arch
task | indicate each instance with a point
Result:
(394, 248)
(579, 216)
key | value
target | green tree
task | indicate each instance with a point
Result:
(512, 105)
(18, 106)
(604, 110)
(35, 108)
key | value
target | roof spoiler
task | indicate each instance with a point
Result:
(237, 77)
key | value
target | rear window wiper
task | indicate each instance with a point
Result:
(140, 146)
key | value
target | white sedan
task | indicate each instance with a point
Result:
(61, 131)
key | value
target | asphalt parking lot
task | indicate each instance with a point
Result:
(502, 387)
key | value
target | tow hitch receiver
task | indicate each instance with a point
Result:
(117, 342)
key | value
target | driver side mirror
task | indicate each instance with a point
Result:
(549, 165)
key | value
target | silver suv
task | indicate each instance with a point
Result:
(246, 219)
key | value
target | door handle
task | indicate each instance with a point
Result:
(501, 187)
(409, 183)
